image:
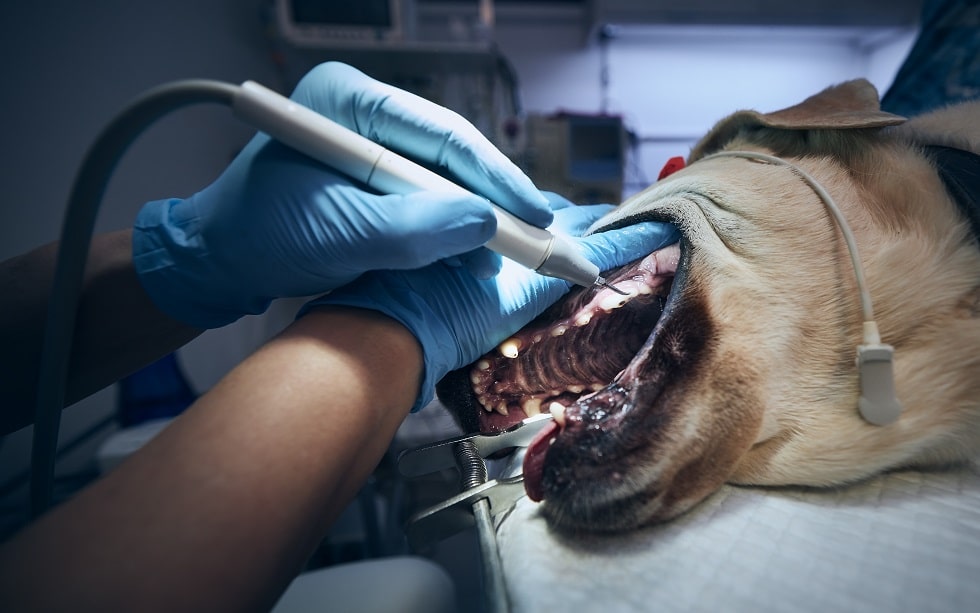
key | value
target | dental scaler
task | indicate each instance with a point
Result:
(389, 173)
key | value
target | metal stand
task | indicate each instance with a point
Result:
(474, 473)
(480, 500)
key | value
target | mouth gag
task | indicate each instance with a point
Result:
(480, 501)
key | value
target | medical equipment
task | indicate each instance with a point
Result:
(528, 244)
(480, 501)
(582, 157)
(387, 172)
(365, 24)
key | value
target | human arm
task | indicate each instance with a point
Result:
(118, 328)
(219, 512)
(275, 224)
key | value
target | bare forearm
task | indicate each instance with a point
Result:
(221, 509)
(118, 329)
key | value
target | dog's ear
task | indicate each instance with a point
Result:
(853, 104)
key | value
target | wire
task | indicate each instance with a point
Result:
(877, 403)
(832, 208)
(76, 237)
(24, 477)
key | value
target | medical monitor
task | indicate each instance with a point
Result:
(595, 148)
(328, 23)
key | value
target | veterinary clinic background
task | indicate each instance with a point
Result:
(248, 348)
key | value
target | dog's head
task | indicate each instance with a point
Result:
(733, 360)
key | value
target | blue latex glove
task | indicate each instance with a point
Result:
(457, 317)
(277, 223)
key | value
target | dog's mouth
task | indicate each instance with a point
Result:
(562, 359)
(650, 417)
(554, 358)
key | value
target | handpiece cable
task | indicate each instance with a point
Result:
(76, 238)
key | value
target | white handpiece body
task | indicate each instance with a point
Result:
(389, 173)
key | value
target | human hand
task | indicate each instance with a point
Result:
(277, 223)
(457, 317)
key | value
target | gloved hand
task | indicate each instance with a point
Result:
(457, 317)
(277, 223)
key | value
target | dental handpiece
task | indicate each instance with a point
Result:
(389, 173)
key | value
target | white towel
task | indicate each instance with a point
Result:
(905, 541)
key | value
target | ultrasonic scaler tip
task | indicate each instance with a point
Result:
(602, 283)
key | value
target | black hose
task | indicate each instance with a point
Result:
(76, 238)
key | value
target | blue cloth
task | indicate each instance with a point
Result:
(943, 66)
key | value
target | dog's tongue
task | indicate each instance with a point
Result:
(534, 461)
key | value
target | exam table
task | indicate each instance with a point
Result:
(904, 541)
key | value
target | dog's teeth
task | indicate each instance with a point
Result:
(502, 408)
(583, 319)
(557, 411)
(576, 389)
(559, 330)
(613, 301)
(537, 338)
(483, 365)
(476, 378)
(510, 348)
(532, 407)
(644, 289)
(595, 387)
(484, 402)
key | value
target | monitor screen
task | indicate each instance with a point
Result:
(327, 23)
(595, 148)
(374, 13)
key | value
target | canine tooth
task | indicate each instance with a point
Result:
(510, 348)
(559, 330)
(583, 319)
(502, 408)
(483, 365)
(613, 301)
(532, 407)
(576, 389)
(557, 411)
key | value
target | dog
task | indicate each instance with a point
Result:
(734, 357)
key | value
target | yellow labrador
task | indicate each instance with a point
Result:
(733, 360)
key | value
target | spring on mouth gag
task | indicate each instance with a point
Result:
(472, 468)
